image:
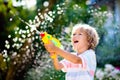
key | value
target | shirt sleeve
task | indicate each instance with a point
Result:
(88, 61)
(64, 62)
(84, 62)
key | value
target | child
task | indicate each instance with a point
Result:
(82, 64)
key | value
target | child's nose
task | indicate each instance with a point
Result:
(75, 36)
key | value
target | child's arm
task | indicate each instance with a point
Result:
(73, 58)
(57, 65)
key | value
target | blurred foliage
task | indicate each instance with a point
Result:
(8, 22)
(108, 72)
(108, 49)
(23, 50)
(2, 63)
(47, 74)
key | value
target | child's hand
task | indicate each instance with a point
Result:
(50, 47)
(53, 55)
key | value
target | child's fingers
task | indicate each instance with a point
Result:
(45, 45)
(50, 42)
(53, 55)
(48, 48)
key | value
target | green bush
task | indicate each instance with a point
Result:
(46, 74)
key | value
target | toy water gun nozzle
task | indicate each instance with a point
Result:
(42, 35)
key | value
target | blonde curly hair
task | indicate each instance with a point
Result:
(92, 35)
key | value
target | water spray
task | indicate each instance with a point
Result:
(44, 35)
(33, 27)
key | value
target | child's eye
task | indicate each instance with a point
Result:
(80, 34)
(74, 34)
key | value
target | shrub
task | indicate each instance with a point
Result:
(109, 72)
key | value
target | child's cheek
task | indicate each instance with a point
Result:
(75, 47)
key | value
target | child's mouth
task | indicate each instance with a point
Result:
(76, 41)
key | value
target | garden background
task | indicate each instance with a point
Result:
(22, 55)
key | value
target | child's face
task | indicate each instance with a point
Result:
(79, 40)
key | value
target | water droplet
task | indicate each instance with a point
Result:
(30, 21)
(11, 19)
(5, 54)
(38, 10)
(28, 31)
(36, 37)
(27, 47)
(15, 39)
(14, 62)
(15, 32)
(46, 4)
(8, 59)
(29, 35)
(7, 46)
(18, 55)
(4, 60)
(6, 41)
(19, 39)
(9, 36)
(14, 54)
(33, 38)
(23, 36)
(26, 27)
(17, 28)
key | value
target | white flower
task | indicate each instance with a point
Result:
(99, 74)
(114, 73)
(109, 67)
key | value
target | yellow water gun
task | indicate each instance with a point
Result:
(46, 37)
